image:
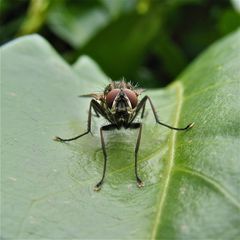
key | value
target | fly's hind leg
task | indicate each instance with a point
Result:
(104, 128)
(138, 126)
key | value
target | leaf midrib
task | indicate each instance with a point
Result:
(170, 163)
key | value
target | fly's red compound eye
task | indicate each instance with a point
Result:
(132, 97)
(111, 97)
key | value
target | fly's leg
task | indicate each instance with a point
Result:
(165, 125)
(104, 128)
(98, 110)
(142, 105)
(96, 113)
(138, 126)
(143, 109)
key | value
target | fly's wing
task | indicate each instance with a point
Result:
(96, 95)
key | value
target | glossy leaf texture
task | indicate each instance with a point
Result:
(191, 178)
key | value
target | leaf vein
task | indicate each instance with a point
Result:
(170, 164)
(211, 182)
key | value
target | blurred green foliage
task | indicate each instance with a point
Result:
(145, 41)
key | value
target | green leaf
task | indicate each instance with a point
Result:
(75, 28)
(125, 50)
(78, 23)
(191, 178)
(115, 8)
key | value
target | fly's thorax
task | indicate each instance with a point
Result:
(121, 118)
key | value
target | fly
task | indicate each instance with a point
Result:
(119, 104)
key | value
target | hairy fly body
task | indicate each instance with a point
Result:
(119, 104)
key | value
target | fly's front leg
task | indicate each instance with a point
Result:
(143, 109)
(137, 126)
(96, 113)
(96, 106)
(165, 125)
(104, 128)
(142, 104)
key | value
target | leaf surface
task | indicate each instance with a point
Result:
(191, 178)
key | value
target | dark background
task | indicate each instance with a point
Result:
(145, 41)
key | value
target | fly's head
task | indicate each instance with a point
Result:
(121, 99)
